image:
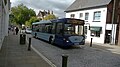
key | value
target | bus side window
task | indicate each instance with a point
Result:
(49, 29)
(53, 29)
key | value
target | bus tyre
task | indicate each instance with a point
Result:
(35, 35)
(51, 41)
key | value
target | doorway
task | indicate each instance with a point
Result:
(107, 36)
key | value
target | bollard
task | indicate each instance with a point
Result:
(91, 42)
(29, 45)
(64, 60)
(22, 38)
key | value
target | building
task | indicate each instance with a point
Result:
(4, 19)
(99, 22)
(43, 14)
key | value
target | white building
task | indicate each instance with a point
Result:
(94, 12)
(4, 19)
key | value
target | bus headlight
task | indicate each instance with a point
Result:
(67, 41)
(83, 40)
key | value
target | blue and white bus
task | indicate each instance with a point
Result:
(62, 32)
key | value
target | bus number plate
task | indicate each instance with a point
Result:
(76, 43)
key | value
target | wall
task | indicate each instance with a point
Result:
(102, 22)
(4, 20)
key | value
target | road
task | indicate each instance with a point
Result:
(77, 57)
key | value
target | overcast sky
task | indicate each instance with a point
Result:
(57, 6)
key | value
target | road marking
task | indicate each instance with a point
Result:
(41, 55)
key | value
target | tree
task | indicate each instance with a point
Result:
(32, 20)
(50, 16)
(21, 14)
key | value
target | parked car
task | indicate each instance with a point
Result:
(28, 30)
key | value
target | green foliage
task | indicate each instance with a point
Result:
(20, 14)
(51, 16)
(32, 20)
(27, 23)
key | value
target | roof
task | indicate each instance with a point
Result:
(83, 4)
(42, 21)
(63, 20)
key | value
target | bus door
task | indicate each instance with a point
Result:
(59, 33)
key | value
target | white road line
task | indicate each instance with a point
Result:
(44, 58)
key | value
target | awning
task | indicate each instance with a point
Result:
(95, 28)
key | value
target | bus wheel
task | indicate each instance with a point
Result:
(51, 41)
(35, 35)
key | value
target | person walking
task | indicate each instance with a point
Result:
(16, 30)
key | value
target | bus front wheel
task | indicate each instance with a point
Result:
(35, 35)
(51, 40)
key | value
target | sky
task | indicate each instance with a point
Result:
(57, 6)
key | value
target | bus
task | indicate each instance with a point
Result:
(63, 32)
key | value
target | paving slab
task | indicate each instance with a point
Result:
(12, 54)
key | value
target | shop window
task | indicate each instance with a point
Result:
(95, 33)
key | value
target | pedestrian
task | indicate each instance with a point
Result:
(16, 30)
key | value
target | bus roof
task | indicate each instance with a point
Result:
(41, 22)
(63, 20)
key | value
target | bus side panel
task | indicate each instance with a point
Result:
(44, 36)
(59, 40)
(33, 33)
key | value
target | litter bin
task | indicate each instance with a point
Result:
(22, 38)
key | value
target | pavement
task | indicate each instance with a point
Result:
(13, 54)
(99, 55)
(105, 47)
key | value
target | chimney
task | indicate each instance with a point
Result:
(48, 11)
(51, 12)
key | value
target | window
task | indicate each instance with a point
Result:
(73, 29)
(97, 16)
(59, 28)
(81, 15)
(85, 30)
(5, 1)
(43, 28)
(72, 15)
(48, 28)
(86, 16)
(54, 28)
(95, 31)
